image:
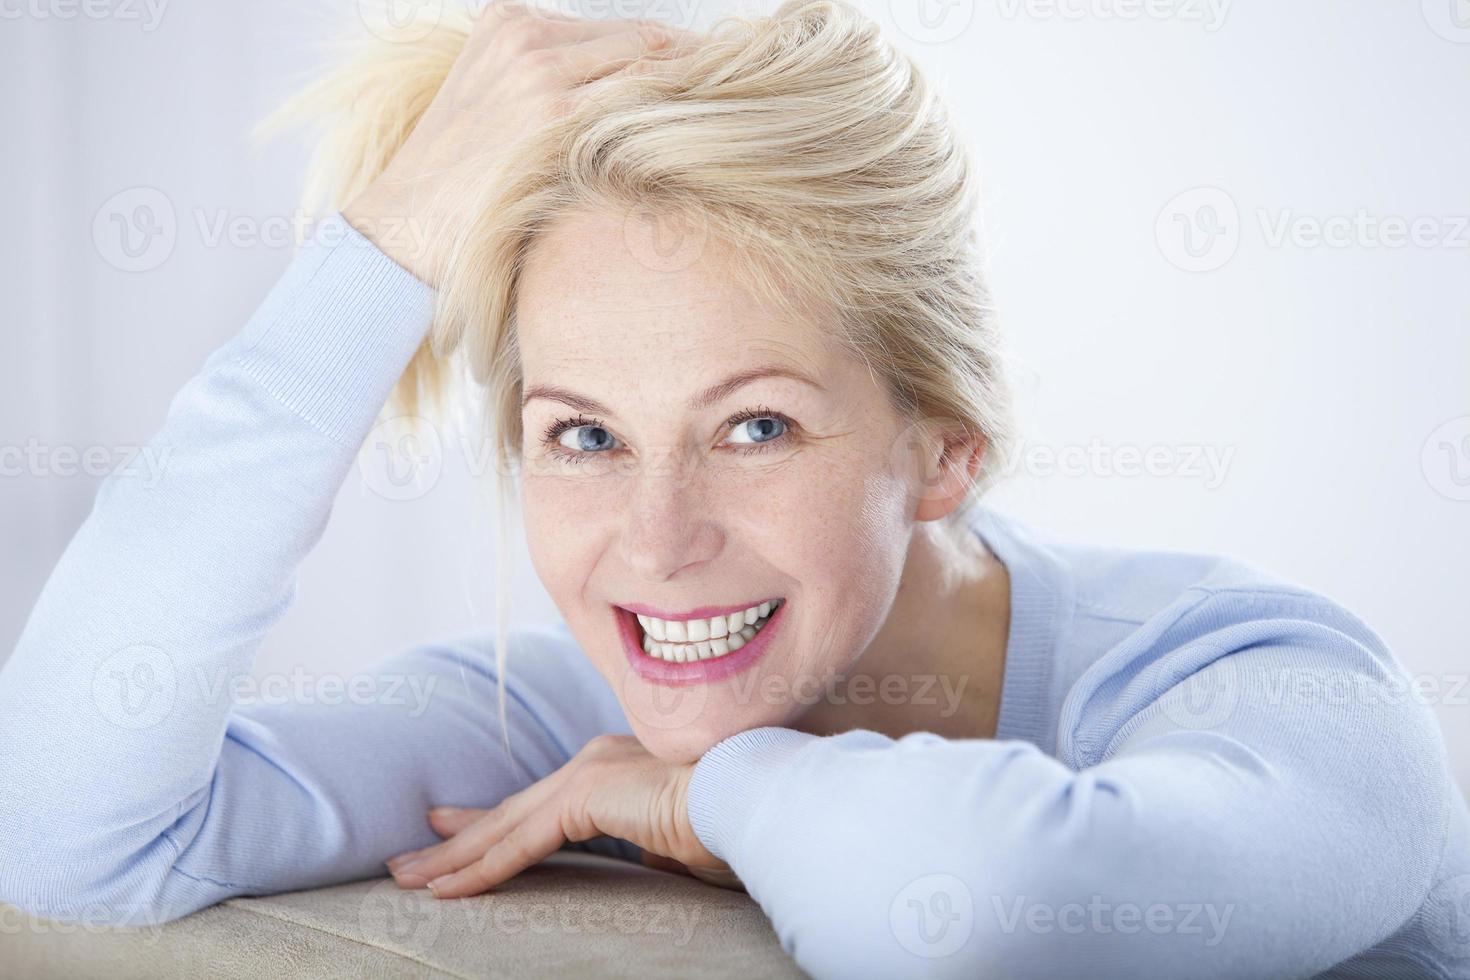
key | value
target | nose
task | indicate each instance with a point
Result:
(670, 528)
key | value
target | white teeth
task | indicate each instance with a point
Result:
(689, 640)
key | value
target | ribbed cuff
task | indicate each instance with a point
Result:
(731, 781)
(337, 331)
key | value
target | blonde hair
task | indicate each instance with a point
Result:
(803, 136)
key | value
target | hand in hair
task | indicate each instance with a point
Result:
(613, 787)
(517, 69)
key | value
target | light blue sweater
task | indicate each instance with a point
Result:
(1199, 772)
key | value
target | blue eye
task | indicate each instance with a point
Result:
(587, 439)
(763, 428)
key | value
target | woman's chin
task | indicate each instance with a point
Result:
(687, 743)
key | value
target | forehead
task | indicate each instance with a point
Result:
(605, 290)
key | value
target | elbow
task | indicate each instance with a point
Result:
(57, 888)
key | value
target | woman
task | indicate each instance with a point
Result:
(797, 657)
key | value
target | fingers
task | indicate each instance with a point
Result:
(446, 821)
(532, 840)
(472, 840)
(450, 820)
(588, 60)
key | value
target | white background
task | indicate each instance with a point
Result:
(1332, 379)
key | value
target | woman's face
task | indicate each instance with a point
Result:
(689, 453)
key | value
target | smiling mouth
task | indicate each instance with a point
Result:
(690, 640)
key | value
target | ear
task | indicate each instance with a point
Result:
(950, 471)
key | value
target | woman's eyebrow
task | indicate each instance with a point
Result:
(703, 399)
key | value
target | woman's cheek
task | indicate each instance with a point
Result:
(837, 513)
(557, 511)
(833, 524)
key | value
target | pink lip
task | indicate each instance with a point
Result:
(658, 671)
(703, 612)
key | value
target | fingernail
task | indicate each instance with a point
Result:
(444, 811)
(408, 879)
(438, 883)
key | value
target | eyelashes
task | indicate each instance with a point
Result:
(556, 428)
(551, 437)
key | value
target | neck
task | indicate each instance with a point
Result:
(938, 661)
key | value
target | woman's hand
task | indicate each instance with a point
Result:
(518, 69)
(612, 787)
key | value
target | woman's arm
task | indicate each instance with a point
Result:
(1276, 834)
(132, 790)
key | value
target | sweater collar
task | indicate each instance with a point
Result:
(1041, 608)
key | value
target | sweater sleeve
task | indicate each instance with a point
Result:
(140, 785)
(1246, 791)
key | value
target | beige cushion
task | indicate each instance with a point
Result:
(573, 915)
